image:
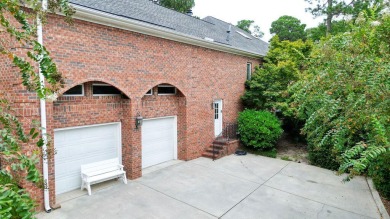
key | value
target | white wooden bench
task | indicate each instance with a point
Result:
(101, 171)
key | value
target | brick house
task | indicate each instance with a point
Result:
(132, 58)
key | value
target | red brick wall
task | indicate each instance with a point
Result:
(135, 63)
(24, 104)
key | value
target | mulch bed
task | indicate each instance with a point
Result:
(290, 149)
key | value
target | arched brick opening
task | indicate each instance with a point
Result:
(86, 110)
(97, 80)
(156, 105)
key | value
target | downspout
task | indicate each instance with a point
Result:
(42, 102)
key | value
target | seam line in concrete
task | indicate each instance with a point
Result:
(317, 201)
(254, 190)
(172, 165)
(176, 199)
(318, 213)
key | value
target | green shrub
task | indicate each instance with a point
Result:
(344, 97)
(259, 129)
(323, 157)
(265, 153)
(380, 173)
(14, 202)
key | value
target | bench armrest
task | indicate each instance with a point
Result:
(120, 166)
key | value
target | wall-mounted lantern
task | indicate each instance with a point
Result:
(138, 120)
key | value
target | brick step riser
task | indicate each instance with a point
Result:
(217, 147)
(220, 143)
(216, 151)
(210, 155)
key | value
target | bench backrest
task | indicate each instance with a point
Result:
(100, 167)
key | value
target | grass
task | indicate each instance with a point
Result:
(286, 158)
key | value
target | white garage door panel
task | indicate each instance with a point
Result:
(158, 141)
(79, 146)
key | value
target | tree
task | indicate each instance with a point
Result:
(288, 28)
(316, 33)
(345, 97)
(18, 20)
(268, 89)
(283, 66)
(246, 25)
(257, 32)
(334, 8)
(182, 6)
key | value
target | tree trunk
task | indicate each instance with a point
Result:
(329, 17)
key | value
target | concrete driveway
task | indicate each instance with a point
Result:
(232, 187)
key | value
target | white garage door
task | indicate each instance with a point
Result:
(159, 141)
(81, 145)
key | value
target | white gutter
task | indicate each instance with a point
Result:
(43, 123)
(103, 18)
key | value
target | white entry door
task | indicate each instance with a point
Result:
(217, 117)
(159, 141)
(82, 145)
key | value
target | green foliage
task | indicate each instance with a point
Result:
(288, 28)
(259, 129)
(334, 8)
(286, 158)
(345, 97)
(338, 27)
(20, 23)
(14, 202)
(23, 30)
(268, 88)
(270, 152)
(324, 157)
(245, 25)
(257, 32)
(340, 7)
(11, 137)
(379, 170)
(178, 5)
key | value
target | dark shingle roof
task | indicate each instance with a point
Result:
(148, 12)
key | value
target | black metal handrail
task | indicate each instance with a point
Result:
(229, 132)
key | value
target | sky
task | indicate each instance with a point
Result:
(263, 12)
